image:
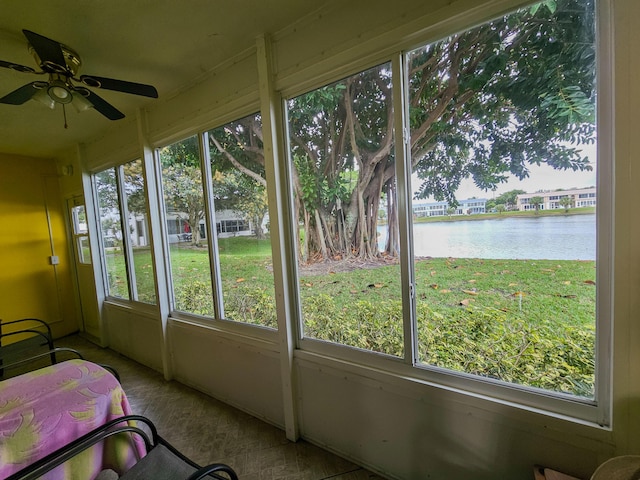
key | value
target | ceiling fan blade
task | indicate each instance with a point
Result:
(21, 95)
(49, 51)
(17, 67)
(120, 86)
(102, 106)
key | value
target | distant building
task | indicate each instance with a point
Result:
(228, 224)
(437, 209)
(580, 197)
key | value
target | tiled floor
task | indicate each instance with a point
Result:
(208, 431)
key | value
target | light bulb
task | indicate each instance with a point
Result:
(59, 92)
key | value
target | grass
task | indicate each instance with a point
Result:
(524, 321)
(535, 289)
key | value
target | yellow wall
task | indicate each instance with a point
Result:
(32, 229)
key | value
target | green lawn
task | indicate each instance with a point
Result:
(524, 321)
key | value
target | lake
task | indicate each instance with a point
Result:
(558, 237)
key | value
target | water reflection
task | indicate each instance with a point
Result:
(564, 237)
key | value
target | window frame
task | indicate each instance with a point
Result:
(596, 411)
(79, 237)
(249, 333)
(127, 247)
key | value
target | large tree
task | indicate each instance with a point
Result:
(484, 104)
(237, 164)
(182, 183)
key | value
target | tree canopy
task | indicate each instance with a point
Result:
(237, 164)
(485, 104)
(493, 100)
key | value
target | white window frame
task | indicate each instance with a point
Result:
(596, 411)
(127, 247)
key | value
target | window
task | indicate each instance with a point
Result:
(126, 256)
(184, 211)
(341, 146)
(505, 110)
(81, 234)
(242, 221)
(138, 239)
(511, 298)
(112, 239)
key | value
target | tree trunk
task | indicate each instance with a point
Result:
(257, 227)
(321, 237)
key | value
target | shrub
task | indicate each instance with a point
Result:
(476, 340)
(251, 305)
(195, 297)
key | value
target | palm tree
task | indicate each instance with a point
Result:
(566, 202)
(536, 202)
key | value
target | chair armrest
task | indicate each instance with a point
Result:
(54, 459)
(51, 354)
(211, 470)
(113, 371)
(36, 320)
(30, 328)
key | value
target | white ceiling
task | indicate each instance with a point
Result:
(165, 43)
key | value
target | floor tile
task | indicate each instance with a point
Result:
(207, 430)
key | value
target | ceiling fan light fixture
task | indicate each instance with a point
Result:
(62, 64)
(59, 92)
(42, 97)
(80, 102)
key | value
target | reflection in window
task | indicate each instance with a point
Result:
(502, 131)
(111, 229)
(242, 222)
(341, 146)
(188, 239)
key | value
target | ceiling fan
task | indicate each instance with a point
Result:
(61, 64)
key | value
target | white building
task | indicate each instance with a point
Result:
(579, 197)
(469, 206)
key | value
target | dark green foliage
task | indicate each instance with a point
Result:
(507, 94)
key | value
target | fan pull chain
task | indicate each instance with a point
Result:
(64, 112)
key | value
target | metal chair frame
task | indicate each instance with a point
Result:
(41, 336)
(115, 427)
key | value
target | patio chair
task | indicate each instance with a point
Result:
(30, 336)
(162, 461)
(33, 348)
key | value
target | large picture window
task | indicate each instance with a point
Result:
(501, 203)
(112, 238)
(228, 273)
(341, 146)
(187, 233)
(503, 141)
